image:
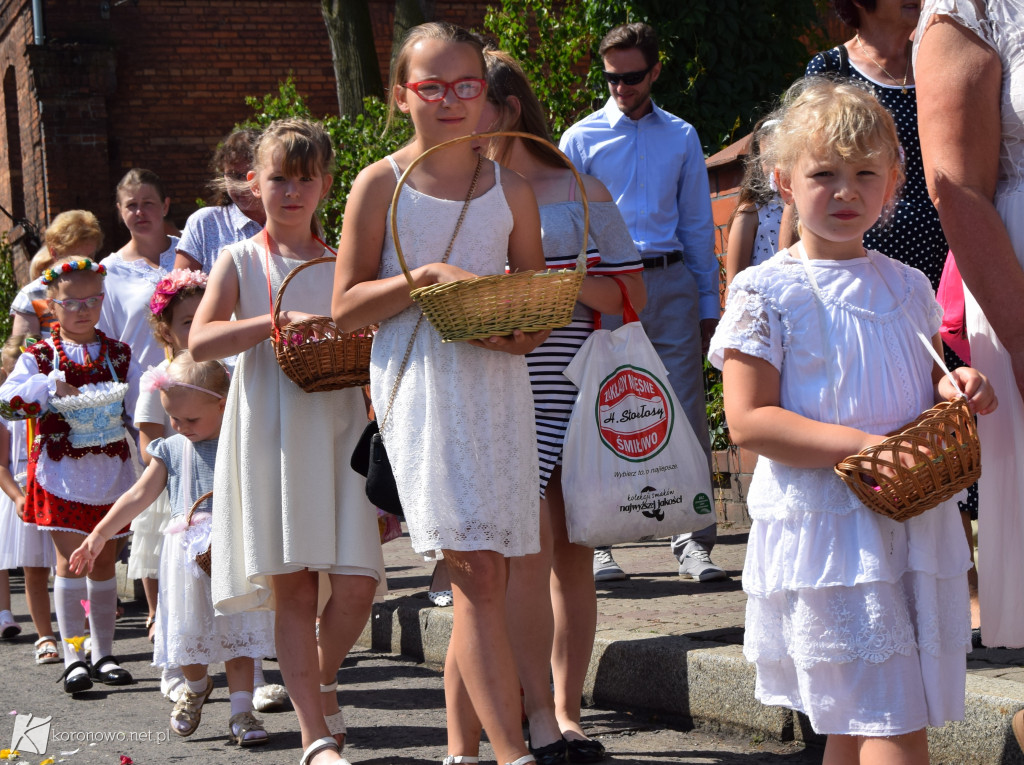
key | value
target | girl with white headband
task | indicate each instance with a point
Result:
(193, 395)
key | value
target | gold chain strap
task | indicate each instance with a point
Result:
(447, 253)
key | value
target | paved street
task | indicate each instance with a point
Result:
(395, 711)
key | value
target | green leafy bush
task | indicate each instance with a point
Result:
(723, 62)
(8, 283)
(358, 141)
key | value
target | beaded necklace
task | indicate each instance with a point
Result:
(66, 363)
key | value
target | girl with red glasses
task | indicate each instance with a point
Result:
(463, 490)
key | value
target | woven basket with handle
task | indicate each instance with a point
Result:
(485, 306)
(943, 442)
(203, 559)
(314, 353)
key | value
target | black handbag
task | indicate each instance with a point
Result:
(370, 459)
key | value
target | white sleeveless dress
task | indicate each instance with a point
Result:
(284, 495)
(998, 24)
(460, 435)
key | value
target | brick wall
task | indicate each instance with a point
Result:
(155, 84)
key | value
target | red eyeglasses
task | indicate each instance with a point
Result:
(465, 89)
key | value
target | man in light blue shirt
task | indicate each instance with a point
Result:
(653, 164)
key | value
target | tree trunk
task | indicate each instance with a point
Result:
(408, 14)
(356, 69)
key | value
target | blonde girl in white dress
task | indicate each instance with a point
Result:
(286, 504)
(858, 621)
(460, 435)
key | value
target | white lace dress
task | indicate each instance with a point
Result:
(858, 621)
(188, 630)
(1000, 531)
(460, 436)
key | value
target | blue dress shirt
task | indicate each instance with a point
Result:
(654, 169)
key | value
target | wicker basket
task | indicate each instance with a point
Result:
(485, 306)
(947, 454)
(203, 559)
(94, 415)
(314, 353)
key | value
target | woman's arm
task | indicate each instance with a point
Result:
(739, 248)
(24, 324)
(184, 260)
(758, 422)
(959, 81)
(360, 298)
(611, 237)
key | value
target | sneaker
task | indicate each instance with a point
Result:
(605, 567)
(697, 564)
(9, 628)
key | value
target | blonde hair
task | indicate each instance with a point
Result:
(70, 228)
(834, 118)
(209, 375)
(434, 30)
(42, 260)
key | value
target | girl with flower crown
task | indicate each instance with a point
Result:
(171, 309)
(190, 633)
(74, 475)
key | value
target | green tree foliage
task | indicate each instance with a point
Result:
(358, 141)
(724, 61)
(8, 283)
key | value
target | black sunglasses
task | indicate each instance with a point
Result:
(627, 78)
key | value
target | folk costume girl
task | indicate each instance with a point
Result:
(74, 477)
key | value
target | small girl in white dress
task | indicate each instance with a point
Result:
(190, 634)
(854, 619)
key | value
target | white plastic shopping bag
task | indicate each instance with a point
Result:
(632, 467)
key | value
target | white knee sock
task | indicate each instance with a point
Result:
(102, 614)
(68, 595)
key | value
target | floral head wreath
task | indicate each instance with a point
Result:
(155, 378)
(172, 284)
(50, 275)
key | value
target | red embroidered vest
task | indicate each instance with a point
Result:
(52, 430)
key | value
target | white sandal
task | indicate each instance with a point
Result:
(46, 650)
(320, 745)
(457, 759)
(335, 722)
(523, 760)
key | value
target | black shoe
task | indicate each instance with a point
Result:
(114, 676)
(551, 754)
(78, 683)
(584, 750)
(976, 639)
